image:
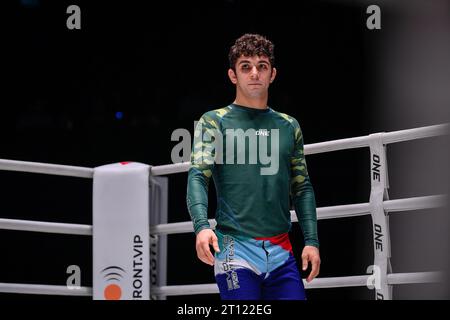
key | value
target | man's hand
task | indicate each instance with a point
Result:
(205, 238)
(311, 254)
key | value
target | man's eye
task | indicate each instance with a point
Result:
(245, 67)
(262, 67)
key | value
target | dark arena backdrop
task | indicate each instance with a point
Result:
(115, 90)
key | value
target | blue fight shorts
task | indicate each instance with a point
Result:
(257, 269)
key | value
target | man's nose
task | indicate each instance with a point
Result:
(254, 72)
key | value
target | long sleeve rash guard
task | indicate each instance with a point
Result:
(253, 182)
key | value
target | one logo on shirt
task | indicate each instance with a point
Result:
(263, 132)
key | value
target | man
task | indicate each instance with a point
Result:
(253, 255)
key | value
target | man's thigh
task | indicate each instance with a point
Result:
(239, 284)
(284, 283)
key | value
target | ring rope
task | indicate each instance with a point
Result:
(44, 289)
(327, 146)
(211, 288)
(332, 212)
(317, 283)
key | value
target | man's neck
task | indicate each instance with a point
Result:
(251, 103)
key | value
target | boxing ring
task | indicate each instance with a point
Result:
(380, 207)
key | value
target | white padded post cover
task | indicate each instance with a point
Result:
(121, 232)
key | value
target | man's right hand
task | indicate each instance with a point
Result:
(205, 238)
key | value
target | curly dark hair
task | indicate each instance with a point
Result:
(250, 45)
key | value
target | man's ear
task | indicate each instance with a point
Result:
(273, 75)
(232, 76)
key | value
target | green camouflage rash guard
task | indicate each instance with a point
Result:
(250, 203)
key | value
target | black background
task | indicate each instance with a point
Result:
(162, 65)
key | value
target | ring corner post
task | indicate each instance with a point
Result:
(380, 218)
(120, 241)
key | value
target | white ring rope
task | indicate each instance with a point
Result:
(342, 211)
(386, 138)
(170, 168)
(46, 168)
(340, 144)
(327, 146)
(416, 203)
(49, 227)
(330, 212)
(44, 289)
(211, 288)
(318, 283)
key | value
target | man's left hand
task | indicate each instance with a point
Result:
(311, 254)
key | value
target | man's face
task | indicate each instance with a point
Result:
(253, 75)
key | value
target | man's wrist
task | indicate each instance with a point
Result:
(202, 227)
(312, 244)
